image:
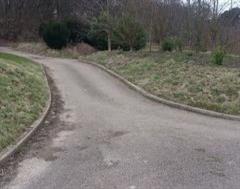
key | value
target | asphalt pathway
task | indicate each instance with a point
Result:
(114, 138)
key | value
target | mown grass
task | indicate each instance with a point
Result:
(23, 94)
(186, 77)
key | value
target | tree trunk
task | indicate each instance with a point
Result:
(109, 42)
(151, 27)
(150, 42)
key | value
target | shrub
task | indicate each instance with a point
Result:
(126, 34)
(189, 53)
(97, 36)
(97, 39)
(129, 34)
(41, 29)
(56, 35)
(218, 56)
(178, 44)
(78, 31)
(100, 28)
(168, 45)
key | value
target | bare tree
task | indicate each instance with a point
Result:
(200, 23)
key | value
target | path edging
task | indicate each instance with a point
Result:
(161, 100)
(12, 149)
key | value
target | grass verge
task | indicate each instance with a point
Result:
(23, 95)
(186, 77)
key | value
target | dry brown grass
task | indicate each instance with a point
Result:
(181, 77)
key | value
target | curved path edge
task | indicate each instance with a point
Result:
(161, 100)
(14, 148)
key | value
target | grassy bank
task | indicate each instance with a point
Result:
(23, 95)
(186, 77)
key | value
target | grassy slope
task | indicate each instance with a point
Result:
(23, 94)
(181, 77)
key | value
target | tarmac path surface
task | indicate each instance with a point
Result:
(113, 138)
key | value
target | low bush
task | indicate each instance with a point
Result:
(129, 34)
(168, 45)
(218, 56)
(97, 40)
(189, 54)
(41, 29)
(78, 31)
(55, 34)
(97, 36)
(178, 44)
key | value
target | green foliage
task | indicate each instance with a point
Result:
(218, 56)
(126, 34)
(168, 45)
(99, 29)
(129, 34)
(178, 44)
(96, 37)
(189, 54)
(173, 43)
(78, 30)
(200, 44)
(41, 29)
(98, 40)
(56, 35)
